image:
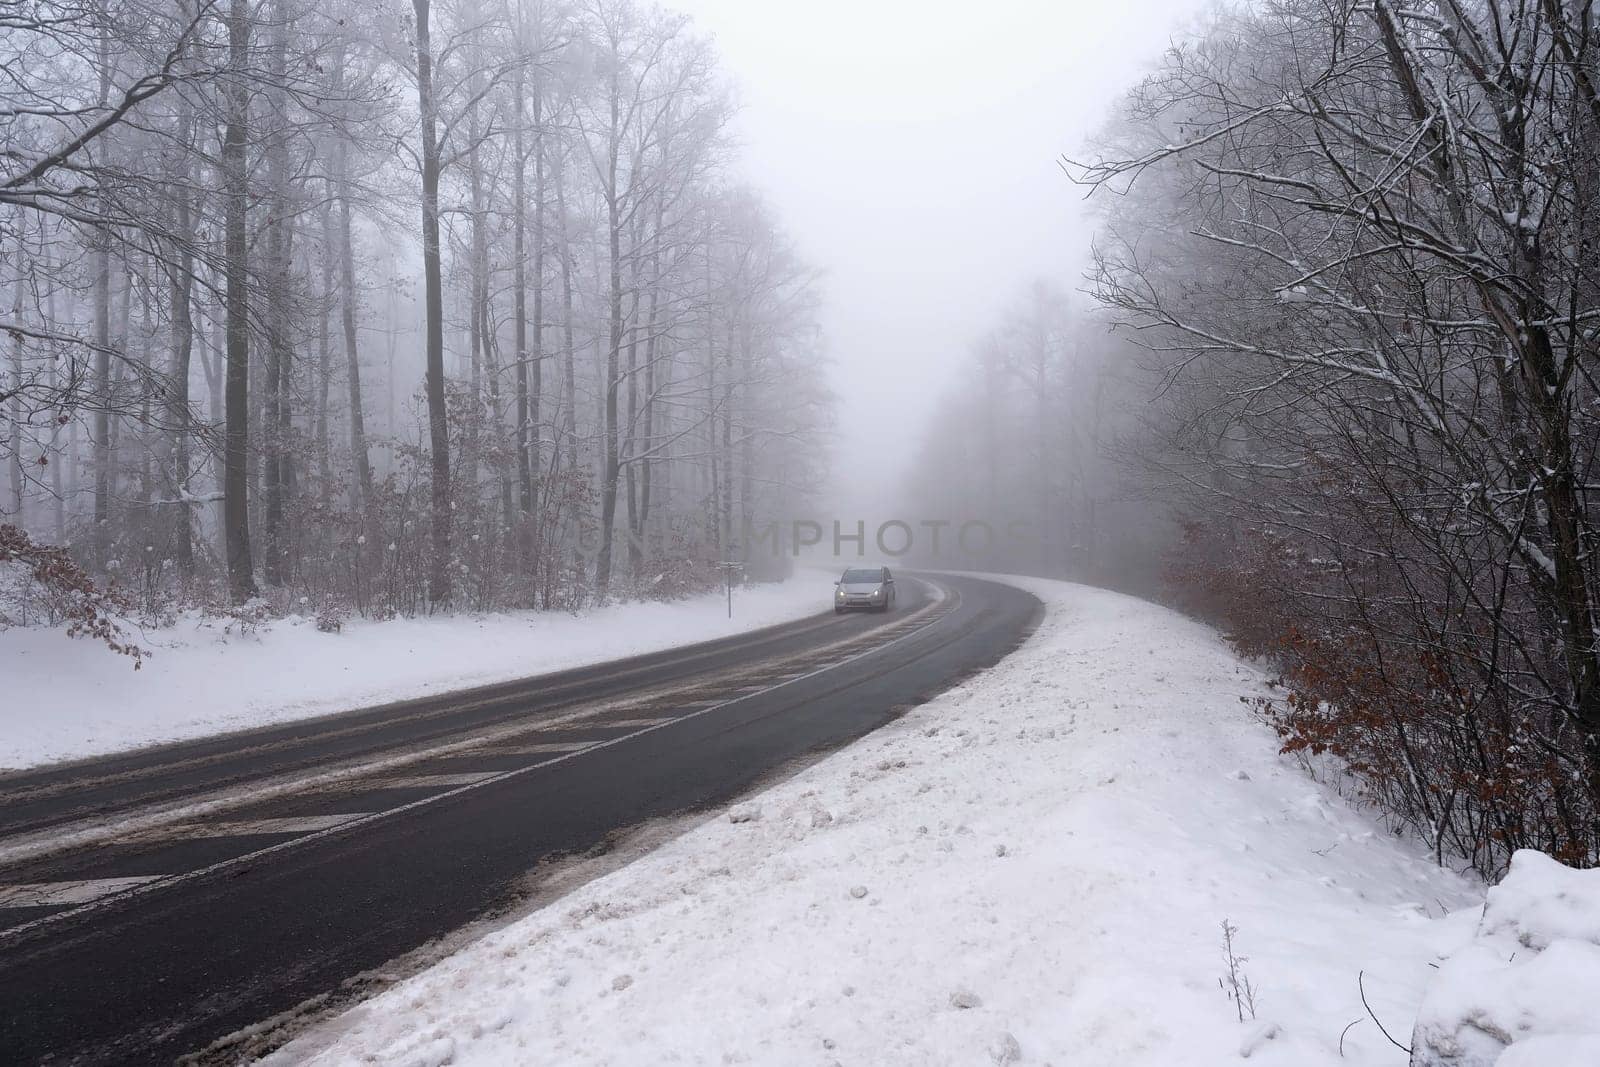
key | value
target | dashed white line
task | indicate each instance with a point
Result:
(123, 888)
(302, 824)
(416, 781)
(656, 720)
(543, 749)
(58, 894)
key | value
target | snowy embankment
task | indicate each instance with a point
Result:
(66, 699)
(1035, 867)
(1521, 992)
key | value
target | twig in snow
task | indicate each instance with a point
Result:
(1346, 1030)
(1359, 976)
(1238, 985)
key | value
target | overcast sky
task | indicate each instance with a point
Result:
(910, 148)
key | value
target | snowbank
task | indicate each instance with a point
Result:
(1522, 992)
(1035, 867)
(65, 699)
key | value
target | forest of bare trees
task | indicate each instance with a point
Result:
(342, 309)
(1348, 401)
(388, 309)
(1357, 242)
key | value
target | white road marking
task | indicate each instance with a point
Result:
(655, 721)
(56, 894)
(542, 749)
(141, 886)
(300, 824)
(417, 781)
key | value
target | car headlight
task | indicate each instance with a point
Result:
(839, 593)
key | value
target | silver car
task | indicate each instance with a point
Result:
(869, 588)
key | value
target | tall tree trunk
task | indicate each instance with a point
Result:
(103, 399)
(438, 427)
(558, 509)
(477, 296)
(102, 358)
(181, 322)
(325, 351)
(647, 463)
(519, 284)
(347, 319)
(534, 413)
(213, 357)
(646, 433)
(636, 442)
(236, 451)
(725, 505)
(497, 429)
(58, 502)
(17, 417)
(1559, 491)
(121, 336)
(147, 331)
(391, 311)
(747, 439)
(608, 478)
(629, 443)
(713, 500)
(275, 440)
(569, 375)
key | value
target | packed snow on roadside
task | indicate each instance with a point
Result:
(1521, 993)
(1035, 867)
(66, 698)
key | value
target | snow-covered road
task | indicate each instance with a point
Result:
(1034, 867)
(67, 699)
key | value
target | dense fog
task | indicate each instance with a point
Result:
(478, 305)
(475, 304)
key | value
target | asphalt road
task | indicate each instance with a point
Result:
(155, 903)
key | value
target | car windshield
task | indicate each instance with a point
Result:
(859, 574)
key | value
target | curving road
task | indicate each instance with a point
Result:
(196, 898)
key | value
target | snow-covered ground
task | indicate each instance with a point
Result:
(1035, 867)
(1521, 992)
(63, 699)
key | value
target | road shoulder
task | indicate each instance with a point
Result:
(71, 700)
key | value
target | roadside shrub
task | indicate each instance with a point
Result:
(44, 584)
(1446, 744)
